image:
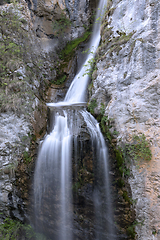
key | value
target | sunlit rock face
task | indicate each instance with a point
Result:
(127, 80)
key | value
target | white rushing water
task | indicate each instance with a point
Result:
(77, 91)
(53, 174)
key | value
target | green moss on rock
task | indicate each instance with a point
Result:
(71, 46)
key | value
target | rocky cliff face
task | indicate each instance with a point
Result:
(127, 81)
(55, 18)
(32, 34)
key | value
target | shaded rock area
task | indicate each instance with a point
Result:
(85, 179)
(53, 20)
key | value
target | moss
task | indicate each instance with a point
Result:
(131, 231)
(60, 79)
(71, 46)
(154, 232)
(120, 183)
(119, 158)
(105, 123)
(65, 56)
(126, 197)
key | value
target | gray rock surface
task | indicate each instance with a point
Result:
(58, 18)
(45, 27)
(14, 141)
(127, 80)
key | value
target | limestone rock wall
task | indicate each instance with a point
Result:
(38, 30)
(127, 81)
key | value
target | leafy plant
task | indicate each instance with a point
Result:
(61, 79)
(13, 229)
(139, 149)
(27, 157)
(91, 67)
(9, 230)
(105, 123)
(92, 106)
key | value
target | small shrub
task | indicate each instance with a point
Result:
(9, 229)
(92, 106)
(139, 149)
(27, 157)
(13, 229)
(131, 231)
(60, 80)
(105, 123)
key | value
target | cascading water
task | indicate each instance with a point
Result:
(53, 174)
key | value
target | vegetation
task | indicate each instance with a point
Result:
(131, 230)
(66, 55)
(113, 44)
(71, 46)
(15, 230)
(60, 79)
(105, 123)
(13, 82)
(61, 25)
(92, 106)
(138, 149)
(26, 157)
(122, 160)
(61, 76)
(91, 67)
(10, 229)
(11, 48)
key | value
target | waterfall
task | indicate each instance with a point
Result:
(53, 175)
